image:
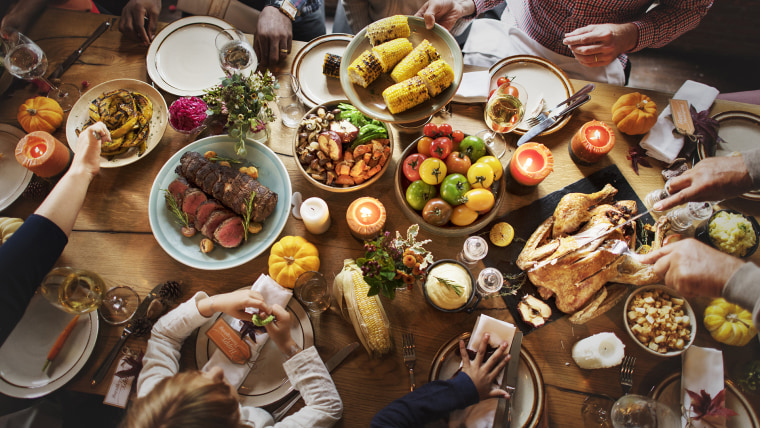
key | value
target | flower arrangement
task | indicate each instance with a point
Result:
(244, 100)
(389, 264)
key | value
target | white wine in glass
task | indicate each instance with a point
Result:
(236, 55)
(76, 291)
(504, 110)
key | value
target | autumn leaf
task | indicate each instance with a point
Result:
(637, 157)
(135, 365)
(250, 329)
(702, 405)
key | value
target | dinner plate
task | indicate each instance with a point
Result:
(272, 173)
(13, 177)
(79, 115)
(541, 78)
(267, 381)
(316, 88)
(669, 392)
(25, 351)
(739, 131)
(370, 101)
(183, 60)
(529, 400)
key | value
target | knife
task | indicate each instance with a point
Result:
(331, 363)
(105, 25)
(583, 91)
(128, 329)
(551, 120)
(503, 417)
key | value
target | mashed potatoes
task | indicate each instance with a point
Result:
(449, 296)
(732, 233)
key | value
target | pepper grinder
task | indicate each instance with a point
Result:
(694, 212)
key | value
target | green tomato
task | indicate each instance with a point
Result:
(453, 188)
(418, 193)
(473, 146)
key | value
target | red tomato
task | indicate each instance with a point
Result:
(511, 90)
(411, 166)
(491, 93)
(458, 163)
(502, 80)
(441, 147)
(430, 130)
(423, 145)
(444, 129)
(457, 136)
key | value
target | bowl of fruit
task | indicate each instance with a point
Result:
(448, 182)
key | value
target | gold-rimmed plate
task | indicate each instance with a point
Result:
(13, 177)
(316, 88)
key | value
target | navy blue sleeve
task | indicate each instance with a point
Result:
(28, 255)
(428, 403)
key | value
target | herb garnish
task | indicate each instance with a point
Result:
(450, 284)
(247, 218)
(223, 159)
(181, 216)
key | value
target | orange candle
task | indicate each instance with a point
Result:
(42, 154)
(594, 140)
(366, 218)
(531, 163)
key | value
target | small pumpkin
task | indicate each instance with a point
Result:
(290, 257)
(40, 114)
(634, 113)
(729, 323)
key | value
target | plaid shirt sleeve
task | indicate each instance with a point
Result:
(670, 19)
(480, 7)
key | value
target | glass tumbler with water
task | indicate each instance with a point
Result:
(475, 249)
(291, 107)
(311, 290)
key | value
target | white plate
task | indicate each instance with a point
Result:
(80, 113)
(25, 351)
(267, 382)
(272, 173)
(529, 402)
(182, 59)
(316, 88)
(541, 78)
(669, 393)
(13, 177)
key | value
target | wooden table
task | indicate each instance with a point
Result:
(112, 236)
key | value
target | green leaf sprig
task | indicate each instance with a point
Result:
(450, 284)
(181, 217)
(247, 218)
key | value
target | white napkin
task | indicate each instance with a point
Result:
(473, 88)
(274, 294)
(479, 415)
(500, 331)
(702, 369)
(660, 143)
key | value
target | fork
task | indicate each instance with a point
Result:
(543, 115)
(410, 358)
(626, 373)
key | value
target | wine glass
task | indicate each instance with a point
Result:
(633, 410)
(235, 52)
(504, 111)
(26, 60)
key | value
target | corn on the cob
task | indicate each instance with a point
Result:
(437, 77)
(365, 69)
(390, 53)
(392, 27)
(331, 66)
(416, 60)
(405, 95)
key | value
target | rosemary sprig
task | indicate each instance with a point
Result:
(223, 159)
(247, 218)
(181, 216)
(448, 283)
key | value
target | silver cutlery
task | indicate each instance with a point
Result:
(503, 416)
(410, 357)
(552, 119)
(541, 116)
(626, 373)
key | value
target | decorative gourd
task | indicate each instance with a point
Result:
(634, 113)
(290, 257)
(40, 114)
(729, 323)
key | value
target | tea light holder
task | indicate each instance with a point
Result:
(591, 143)
(43, 154)
(530, 164)
(315, 215)
(366, 218)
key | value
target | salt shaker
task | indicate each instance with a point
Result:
(656, 196)
(694, 212)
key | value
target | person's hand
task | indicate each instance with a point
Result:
(132, 23)
(693, 268)
(599, 44)
(233, 304)
(712, 179)
(87, 157)
(445, 12)
(483, 374)
(279, 330)
(274, 36)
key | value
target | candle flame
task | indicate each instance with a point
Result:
(365, 213)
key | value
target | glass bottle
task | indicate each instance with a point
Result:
(684, 217)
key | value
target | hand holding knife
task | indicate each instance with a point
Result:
(503, 417)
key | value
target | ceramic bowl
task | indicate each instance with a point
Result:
(687, 310)
(703, 232)
(473, 299)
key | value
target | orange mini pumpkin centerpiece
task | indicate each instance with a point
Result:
(40, 114)
(634, 113)
(290, 257)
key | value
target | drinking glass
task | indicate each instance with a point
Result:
(311, 290)
(26, 60)
(504, 111)
(638, 411)
(289, 102)
(236, 55)
(475, 249)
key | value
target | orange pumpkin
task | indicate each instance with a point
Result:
(634, 113)
(40, 114)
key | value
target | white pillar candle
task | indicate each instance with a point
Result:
(316, 215)
(599, 351)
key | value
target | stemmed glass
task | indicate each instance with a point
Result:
(504, 110)
(26, 60)
(628, 411)
(235, 53)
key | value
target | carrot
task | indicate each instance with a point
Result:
(60, 341)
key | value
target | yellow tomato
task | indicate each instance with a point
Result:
(479, 200)
(502, 234)
(462, 216)
(480, 175)
(433, 171)
(495, 165)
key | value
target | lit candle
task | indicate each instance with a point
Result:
(366, 218)
(531, 164)
(42, 154)
(601, 350)
(315, 215)
(594, 140)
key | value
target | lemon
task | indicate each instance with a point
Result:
(644, 249)
(502, 234)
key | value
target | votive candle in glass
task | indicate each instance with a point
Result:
(592, 142)
(531, 164)
(315, 215)
(366, 218)
(43, 154)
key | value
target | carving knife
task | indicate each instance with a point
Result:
(105, 25)
(552, 119)
(503, 417)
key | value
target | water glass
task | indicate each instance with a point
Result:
(475, 249)
(119, 305)
(490, 280)
(236, 54)
(638, 411)
(291, 107)
(311, 290)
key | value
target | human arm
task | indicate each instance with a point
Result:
(597, 45)
(484, 373)
(742, 289)
(233, 303)
(453, 15)
(132, 22)
(274, 36)
(21, 15)
(357, 14)
(666, 22)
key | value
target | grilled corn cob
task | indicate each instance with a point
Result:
(365, 69)
(390, 53)
(331, 66)
(418, 58)
(405, 95)
(437, 77)
(392, 27)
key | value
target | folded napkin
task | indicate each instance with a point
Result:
(479, 415)
(500, 331)
(473, 88)
(702, 370)
(660, 143)
(274, 294)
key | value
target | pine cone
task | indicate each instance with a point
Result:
(141, 327)
(170, 291)
(38, 188)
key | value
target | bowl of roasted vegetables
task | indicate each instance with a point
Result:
(339, 149)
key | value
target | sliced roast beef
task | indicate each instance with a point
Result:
(229, 234)
(191, 199)
(214, 220)
(204, 211)
(177, 189)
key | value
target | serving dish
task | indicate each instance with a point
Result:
(703, 231)
(13, 177)
(473, 299)
(316, 88)
(686, 306)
